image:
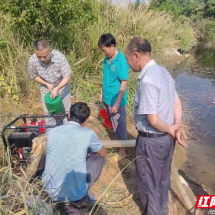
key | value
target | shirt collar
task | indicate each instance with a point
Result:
(52, 57)
(116, 58)
(144, 70)
(74, 123)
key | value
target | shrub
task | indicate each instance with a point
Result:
(57, 20)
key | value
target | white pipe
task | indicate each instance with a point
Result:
(118, 143)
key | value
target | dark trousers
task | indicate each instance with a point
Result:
(153, 167)
(118, 121)
(95, 165)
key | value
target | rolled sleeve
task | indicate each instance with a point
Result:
(149, 99)
(31, 70)
(95, 144)
(122, 73)
(65, 68)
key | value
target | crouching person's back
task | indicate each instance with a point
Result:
(74, 158)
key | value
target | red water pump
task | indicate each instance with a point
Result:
(20, 139)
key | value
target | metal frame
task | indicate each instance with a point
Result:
(9, 126)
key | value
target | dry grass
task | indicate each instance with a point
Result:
(116, 192)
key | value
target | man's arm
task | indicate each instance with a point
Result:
(102, 152)
(63, 83)
(177, 111)
(120, 96)
(157, 123)
(160, 125)
(41, 81)
(96, 146)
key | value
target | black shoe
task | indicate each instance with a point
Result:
(69, 210)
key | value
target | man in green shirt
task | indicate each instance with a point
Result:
(114, 89)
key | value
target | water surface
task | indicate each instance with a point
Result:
(196, 85)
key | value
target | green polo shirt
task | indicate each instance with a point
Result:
(113, 74)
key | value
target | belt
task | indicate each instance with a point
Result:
(150, 135)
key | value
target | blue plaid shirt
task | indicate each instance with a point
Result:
(64, 177)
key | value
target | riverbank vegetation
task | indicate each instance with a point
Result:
(201, 13)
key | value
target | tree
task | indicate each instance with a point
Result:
(179, 7)
(210, 8)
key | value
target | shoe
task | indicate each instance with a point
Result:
(69, 210)
(116, 158)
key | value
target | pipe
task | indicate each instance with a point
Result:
(118, 143)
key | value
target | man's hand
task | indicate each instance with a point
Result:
(101, 97)
(181, 136)
(115, 108)
(54, 93)
(50, 87)
(172, 129)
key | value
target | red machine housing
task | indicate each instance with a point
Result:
(35, 123)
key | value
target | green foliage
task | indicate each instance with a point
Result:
(190, 8)
(210, 8)
(56, 20)
(200, 12)
(210, 31)
(185, 35)
(206, 58)
(137, 3)
(177, 7)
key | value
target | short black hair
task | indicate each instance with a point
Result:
(79, 112)
(106, 40)
(138, 44)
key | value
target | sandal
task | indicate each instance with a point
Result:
(116, 158)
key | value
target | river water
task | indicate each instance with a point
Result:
(195, 83)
